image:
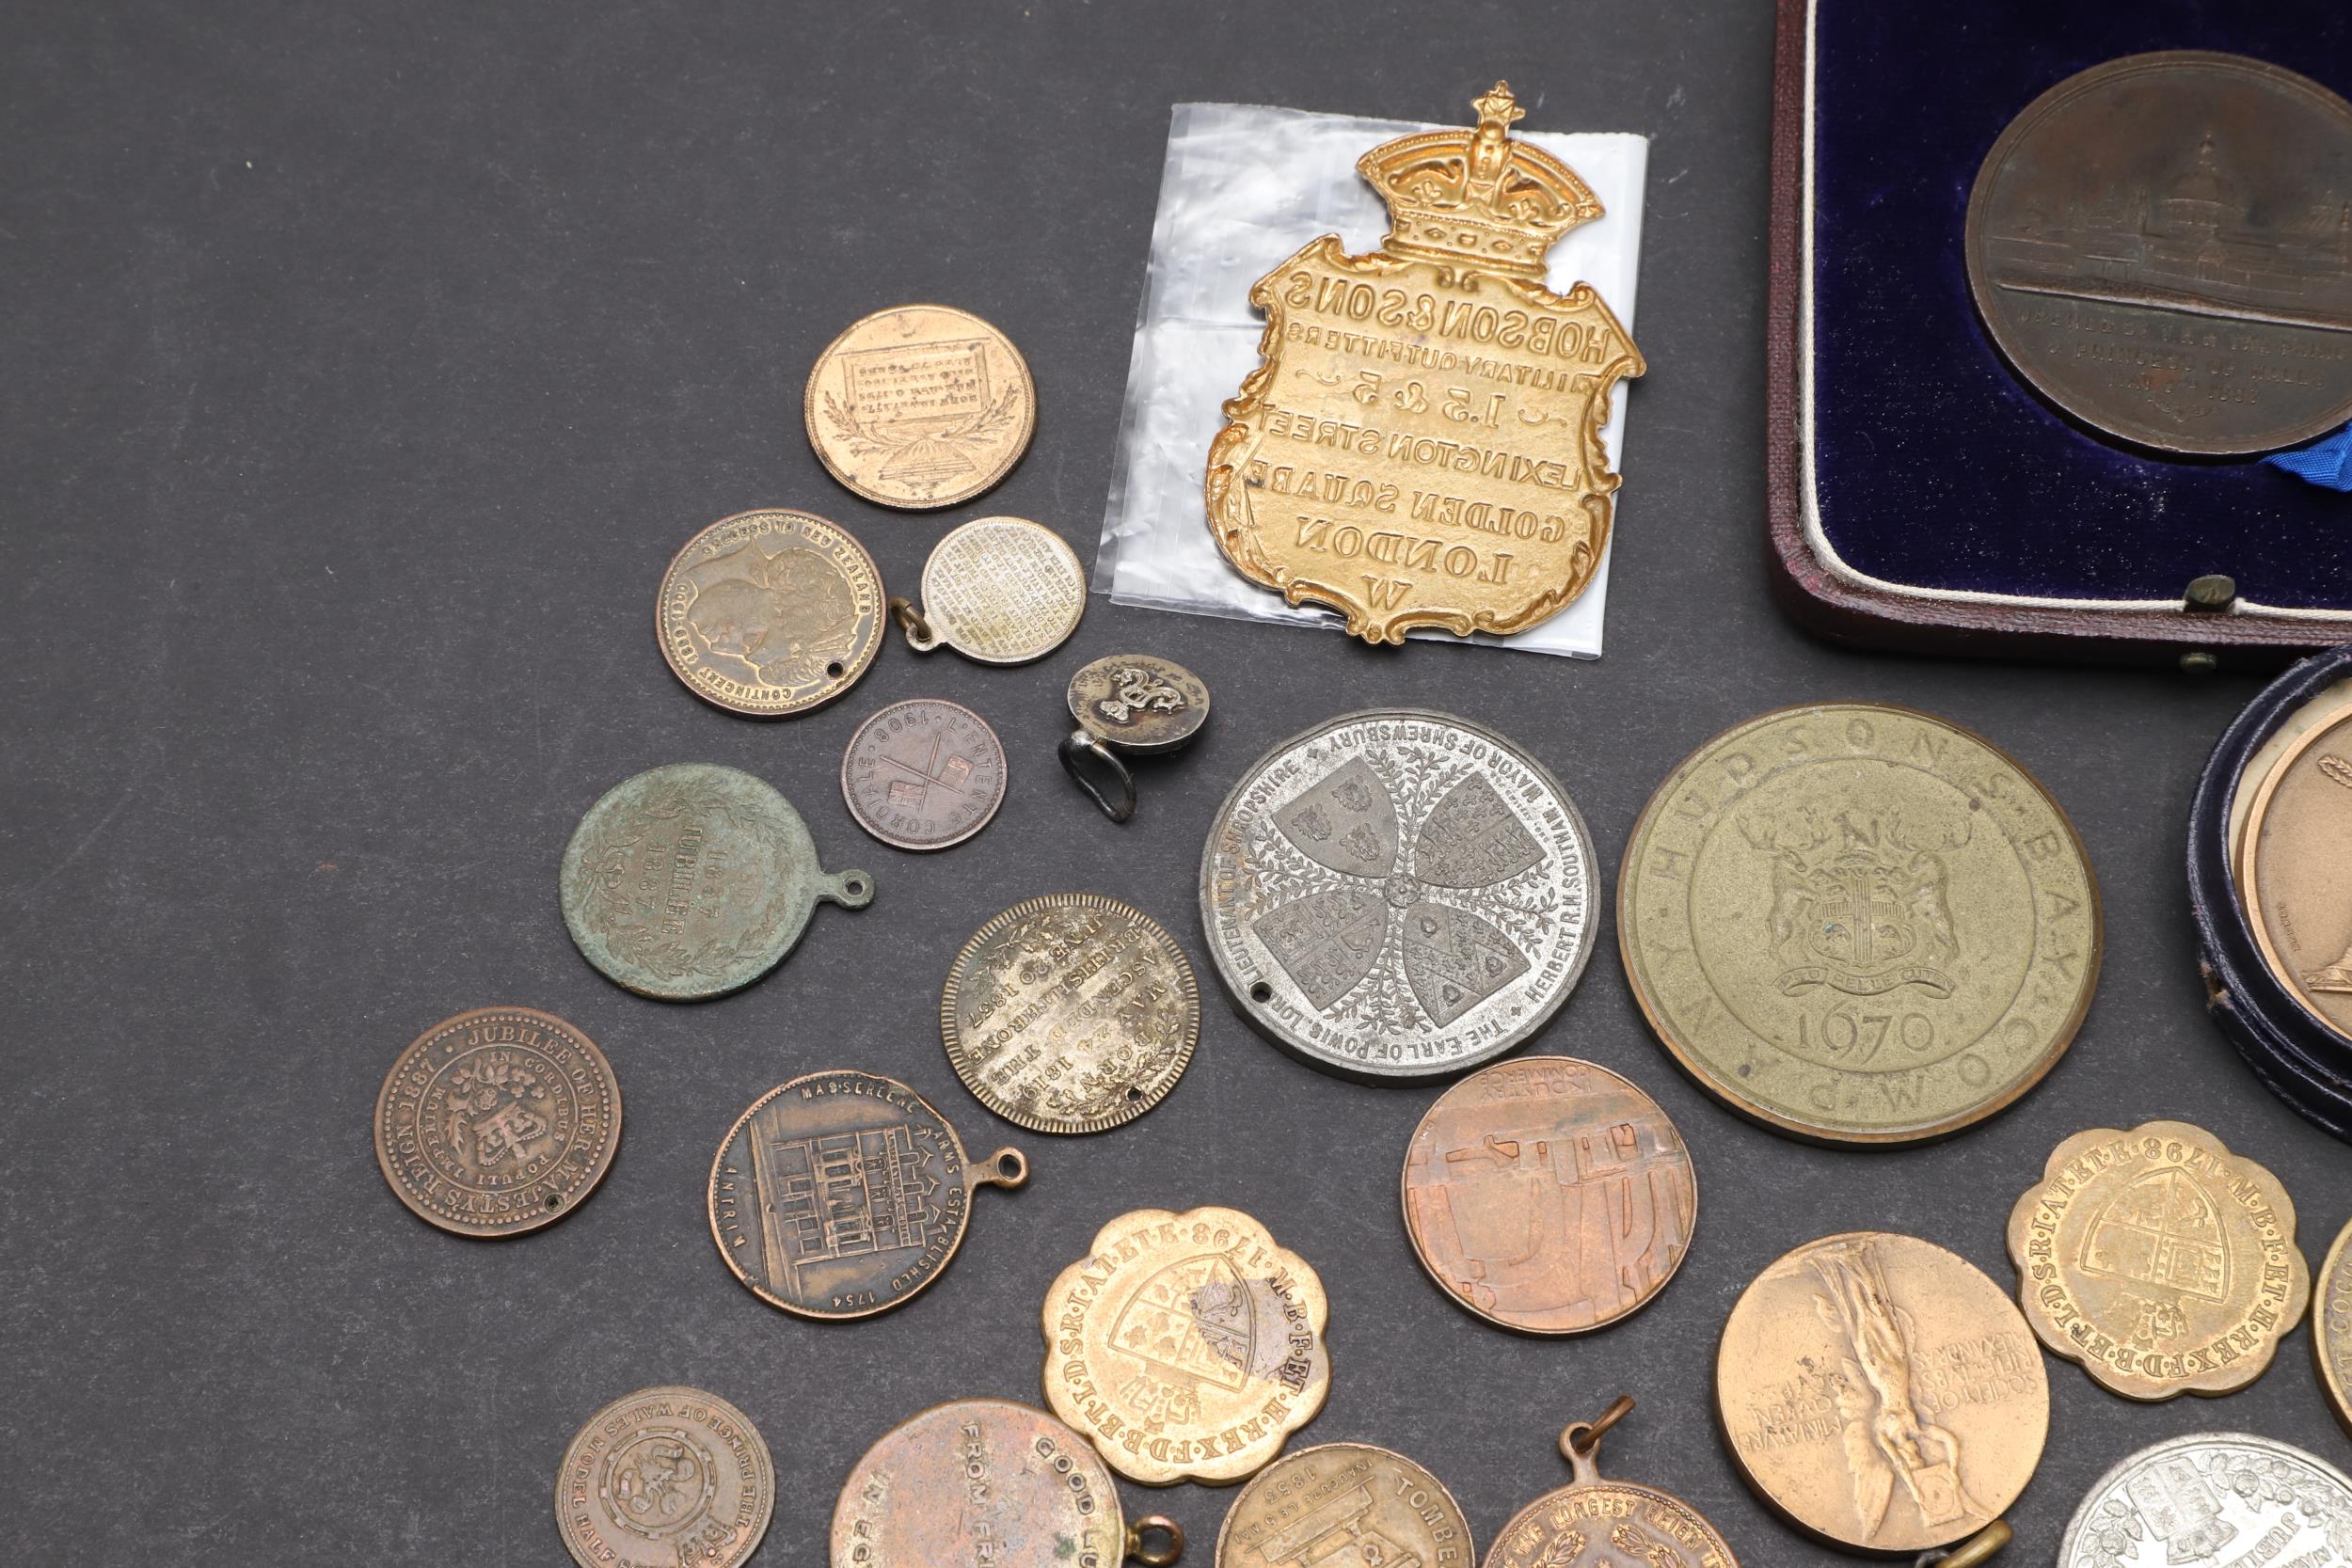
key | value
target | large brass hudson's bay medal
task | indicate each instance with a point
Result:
(498, 1122)
(919, 407)
(1549, 1194)
(844, 1193)
(769, 613)
(1345, 1505)
(994, 1483)
(1882, 1393)
(999, 590)
(2294, 870)
(2228, 1498)
(1597, 1523)
(1397, 894)
(1421, 446)
(664, 1477)
(1069, 1013)
(693, 880)
(2158, 1260)
(1189, 1347)
(2332, 1327)
(1859, 924)
(2162, 246)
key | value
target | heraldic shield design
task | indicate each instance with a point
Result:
(1421, 445)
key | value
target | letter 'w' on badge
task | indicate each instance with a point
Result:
(1421, 445)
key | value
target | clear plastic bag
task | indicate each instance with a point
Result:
(1244, 187)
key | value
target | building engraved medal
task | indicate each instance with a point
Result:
(2160, 1260)
(1187, 1346)
(1397, 894)
(1421, 445)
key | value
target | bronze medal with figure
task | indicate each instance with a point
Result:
(771, 613)
(919, 407)
(844, 1193)
(1859, 924)
(665, 1476)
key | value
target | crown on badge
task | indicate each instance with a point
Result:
(1478, 194)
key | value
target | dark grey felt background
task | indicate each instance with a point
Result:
(360, 368)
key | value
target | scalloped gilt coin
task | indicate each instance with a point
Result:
(923, 774)
(1187, 1347)
(1071, 1013)
(1859, 924)
(920, 406)
(1881, 1393)
(2159, 1261)
(844, 1193)
(665, 1476)
(498, 1122)
(1344, 1504)
(1397, 894)
(771, 613)
(990, 1482)
(694, 881)
(996, 589)
(2220, 1497)
(1549, 1194)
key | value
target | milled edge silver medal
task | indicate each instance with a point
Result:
(1253, 990)
(2088, 1513)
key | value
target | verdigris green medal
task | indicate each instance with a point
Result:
(694, 881)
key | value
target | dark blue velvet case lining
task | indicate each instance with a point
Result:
(1934, 467)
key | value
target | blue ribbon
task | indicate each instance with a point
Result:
(2326, 462)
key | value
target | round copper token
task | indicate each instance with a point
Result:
(498, 1122)
(1345, 1505)
(1549, 1194)
(987, 1481)
(843, 1193)
(920, 406)
(2157, 245)
(769, 613)
(1882, 1393)
(1071, 1013)
(923, 774)
(663, 1478)
(998, 589)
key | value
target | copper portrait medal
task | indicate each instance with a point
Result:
(923, 774)
(1421, 445)
(663, 1478)
(2158, 1260)
(1345, 1505)
(1882, 1393)
(498, 1122)
(919, 407)
(2294, 870)
(2162, 246)
(769, 613)
(1549, 1194)
(1069, 1013)
(1599, 1522)
(1858, 924)
(843, 1193)
(1397, 894)
(990, 1482)
(1189, 1347)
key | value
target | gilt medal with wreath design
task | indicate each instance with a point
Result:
(920, 406)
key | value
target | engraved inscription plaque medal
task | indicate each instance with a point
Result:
(992, 1484)
(999, 590)
(695, 879)
(843, 1193)
(498, 1122)
(664, 1477)
(1421, 445)
(1882, 1393)
(1549, 1194)
(1397, 894)
(2220, 1497)
(1187, 1346)
(919, 407)
(769, 613)
(1597, 1523)
(1345, 1505)
(2158, 1260)
(1069, 1013)
(2162, 246)
(1858, 924)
